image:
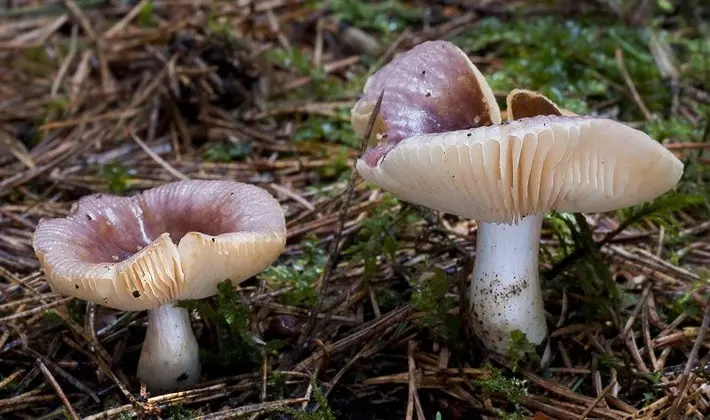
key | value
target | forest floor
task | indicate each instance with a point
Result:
(120, 96)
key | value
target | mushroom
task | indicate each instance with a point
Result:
(507, 177)
(174, 242)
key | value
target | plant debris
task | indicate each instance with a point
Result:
(360, 317)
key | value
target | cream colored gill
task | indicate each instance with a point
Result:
(147, 279)
(209, 260)
(502, 173)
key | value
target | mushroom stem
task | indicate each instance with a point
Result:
(505, 288)
(170, 356)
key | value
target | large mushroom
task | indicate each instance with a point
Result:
(174, 242)
(506, 176)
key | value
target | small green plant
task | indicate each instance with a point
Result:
(592, 273)
(377, 237)
(509, 416)
(230, 317)
(338, 169)
(57, 106)
(322, 86)
(431, 298)
(301, 273)
(661, 210)
(513, 389)
(577, 62)
(145, 15)
(521, 349)
(216, 30)
(382, 17)
(388, 299)
(686, 303)
(178, 412)
(322, 410)
(558, 222)
(227, 152)
(610, 361)
(116, 175)
(333, 130)
(51, 316)
(77, 310)
(277, 387)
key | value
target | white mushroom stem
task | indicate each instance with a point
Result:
(170, 356)
(505, 285)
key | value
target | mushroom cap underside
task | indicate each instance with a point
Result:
(504, 172)
(173, 242)
(433, 87)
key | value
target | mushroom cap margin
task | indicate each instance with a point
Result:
(156, 274)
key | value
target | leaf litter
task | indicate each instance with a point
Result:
(360, 317)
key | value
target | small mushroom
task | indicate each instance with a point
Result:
(507, 177)
(174, 242)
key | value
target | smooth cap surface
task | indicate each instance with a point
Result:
(503, 172)
(432, 88)
(176, 241)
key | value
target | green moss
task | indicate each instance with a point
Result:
(178, 412)
(322, 86)
(559, 224)
(331, 130)
(382, 19)
(338, 169)
(686, 303)
(514, 390)
(228, 151)
(662, 211)
(115, 175)
(145, 15)
(521, 349)
(430, 296)
(237, 349)
(319, 410)
(569, 61)
(56, 107)
(300, 272)
(377, 236)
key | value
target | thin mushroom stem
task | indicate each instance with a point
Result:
(505, 286)
(170, 356)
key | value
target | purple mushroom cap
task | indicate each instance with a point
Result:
(432, 88)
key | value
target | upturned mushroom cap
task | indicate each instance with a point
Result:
(173, 242)
(503, 172)
(432, 88)
(523, 103)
